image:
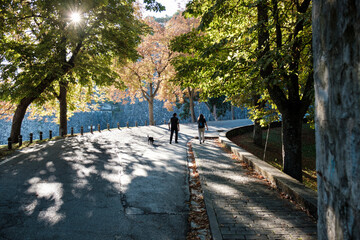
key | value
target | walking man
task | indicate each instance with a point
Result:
(174, 126)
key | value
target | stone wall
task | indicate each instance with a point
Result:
(336, 46)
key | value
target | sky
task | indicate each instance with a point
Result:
(172, 6)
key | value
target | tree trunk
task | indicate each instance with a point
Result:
(214, 112)
(232, 113)
(291, 144)
(63, 109)
(151, 111)
(336, 44)
(191, 100)
(257, 133)
(192, 110)
(23, 105)
(19, 117)
(37, 91)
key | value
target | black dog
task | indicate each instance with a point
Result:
(150, 140)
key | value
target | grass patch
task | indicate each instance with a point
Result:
(273, 154)
(4, 151)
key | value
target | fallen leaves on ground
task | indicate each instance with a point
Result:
(198, 218)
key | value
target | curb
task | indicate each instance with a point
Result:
(214, 225)
(201, 233)
(302, 195)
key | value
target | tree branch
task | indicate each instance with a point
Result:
(144, 93)
(278, 96)
(308, 95)
(157, 87)
(303, 7)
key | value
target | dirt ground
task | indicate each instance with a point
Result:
(273, 153)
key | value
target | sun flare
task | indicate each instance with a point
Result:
(75, 17)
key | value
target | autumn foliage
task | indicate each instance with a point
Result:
(149, 77)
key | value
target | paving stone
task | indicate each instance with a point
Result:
(233, 236)
(245, 207)
(256, 236)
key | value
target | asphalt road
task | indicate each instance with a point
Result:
(108, 185)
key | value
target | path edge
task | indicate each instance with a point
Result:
(214, 225)
(297, 191)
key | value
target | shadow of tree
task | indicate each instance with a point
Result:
(246, 206)
(83, 188)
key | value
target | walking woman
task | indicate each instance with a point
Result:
(201, 127)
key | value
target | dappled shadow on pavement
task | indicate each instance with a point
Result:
(109, 185)
(246, 207)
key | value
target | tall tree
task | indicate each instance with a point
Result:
(191, 94)
(79, 99)
(44, 42)
(149, 77)
(217, 106)
(198, 65)
(187, 81)
(294, 93)
(258, 48)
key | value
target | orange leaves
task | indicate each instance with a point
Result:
(6, 110)
(198, 219)
(149, 77)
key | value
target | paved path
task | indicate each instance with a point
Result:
(244, 207)
(108, 185)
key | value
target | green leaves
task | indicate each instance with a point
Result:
(244, 48)
(40, 37)
(40, 46)
(153, 5)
